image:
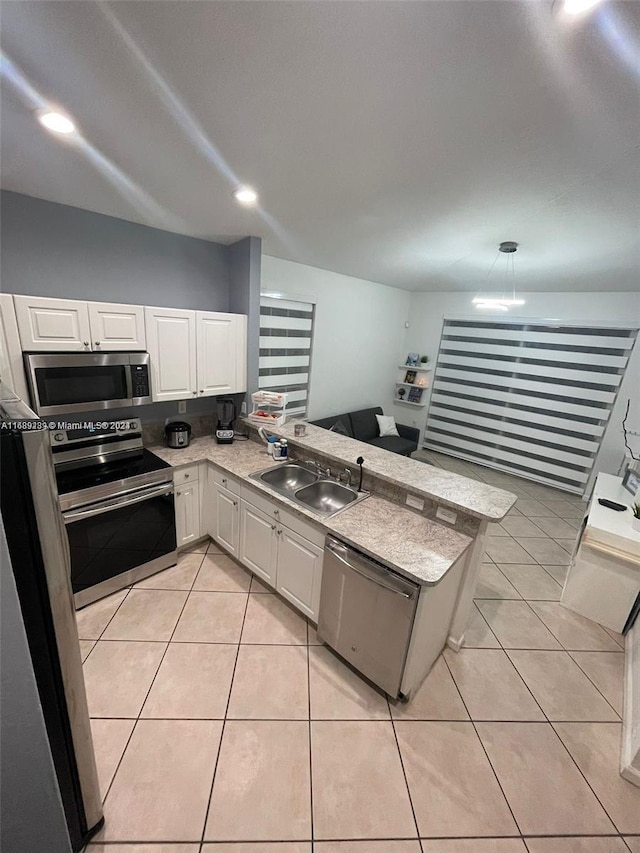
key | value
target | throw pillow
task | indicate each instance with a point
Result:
(387, 425)
(340, 428)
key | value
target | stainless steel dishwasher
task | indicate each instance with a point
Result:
(366, 614)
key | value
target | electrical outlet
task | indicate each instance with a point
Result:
(182, 407)
(415, 502)
(447, 515)
(243, 408)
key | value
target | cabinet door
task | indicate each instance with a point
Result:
(116, 327)
(241, 352)
(299, 571)
(258, 542)
(227, 512)
(217, 353)
(187, 502)
(171, 341)
(52, 325)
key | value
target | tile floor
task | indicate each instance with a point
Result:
(222, 726)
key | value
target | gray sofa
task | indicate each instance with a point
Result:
(363, 426)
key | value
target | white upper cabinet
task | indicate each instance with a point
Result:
(11, 364)
(171, 341)
(115, 327)
(221, 352)
(50, 325)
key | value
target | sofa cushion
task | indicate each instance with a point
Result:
(327, 423)
(364, 423)
(341, 428)
(394, 443)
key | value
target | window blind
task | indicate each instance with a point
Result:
(286, 335)
(527, 397)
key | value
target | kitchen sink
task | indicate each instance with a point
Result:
(326, 496)
(308, 489)
(289, 477)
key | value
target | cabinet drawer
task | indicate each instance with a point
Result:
(226, 481)
(289, 519)
(186, 474)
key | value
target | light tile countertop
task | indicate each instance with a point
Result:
(417, 547)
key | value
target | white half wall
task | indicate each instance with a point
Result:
(358, 336)
(427, 311)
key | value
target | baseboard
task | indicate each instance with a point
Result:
(630, 749)
(455, 643)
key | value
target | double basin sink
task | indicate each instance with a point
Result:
(309, 489)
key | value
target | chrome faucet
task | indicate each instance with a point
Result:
(346, 474)
(322, 472)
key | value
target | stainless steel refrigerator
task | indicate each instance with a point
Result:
(39, 553)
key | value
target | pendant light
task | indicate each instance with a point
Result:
(508, 248)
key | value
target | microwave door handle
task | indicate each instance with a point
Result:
(369, 577)
(98, 509)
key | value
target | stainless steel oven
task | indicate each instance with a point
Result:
(64, 383)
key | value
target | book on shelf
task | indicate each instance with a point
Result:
(410, 377)
(415, 394)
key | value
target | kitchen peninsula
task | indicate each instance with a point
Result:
(423, 523)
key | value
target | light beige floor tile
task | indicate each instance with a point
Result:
(219, 573)
(545, 790)
(493, 584)
(258, 586)
(490, 685)
(109, 740)
(532, 582)
(262, 788)
(312, 635)
(193, 682)
(269, 620)
(558, 528)
(558, 573)
(478, 634)
(543, 550)
(474, 845)
(572, 630)
(453, 788)
(495, 529)
(567, 544)
(516, 625)
(211, 617)
(522, 527)
(359, 789)
(162, 793)
(143, 848)
(367, 847)
(93, 619)
(179, 577)
(606, 670)
(633, 843)
(576, 845)
(546, 493)
(503, 550)
(200, 547)
(533, 509)
(338, 693)
(595, 748)
(118, 675)
(437, 698)
(259, 847)
(270, 683)
(214, 548)
(561, 688)
(567, 509)
(85, 648)
(146, 614)
(618, 638)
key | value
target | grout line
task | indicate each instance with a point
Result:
(310, 740)
(404, 772)
(619, 716)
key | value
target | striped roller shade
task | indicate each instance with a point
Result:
(528, 397)
(286, 334)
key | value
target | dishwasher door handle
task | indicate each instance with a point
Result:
(372, 578)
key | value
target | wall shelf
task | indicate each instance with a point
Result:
(409, 403)
(409, 367)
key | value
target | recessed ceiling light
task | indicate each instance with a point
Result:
(502, 304)
(246, 196)
(577, 7)
(56, 122)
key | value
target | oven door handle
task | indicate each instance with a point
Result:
(117, 503)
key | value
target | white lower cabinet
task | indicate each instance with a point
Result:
(299, 571)
(226, 522)
(187, 502)
(258, 542)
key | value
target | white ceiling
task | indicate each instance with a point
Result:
(395, 141)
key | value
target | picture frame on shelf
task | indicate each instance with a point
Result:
(415, 394)
(631, 480)
(412, 359)
(410, 377)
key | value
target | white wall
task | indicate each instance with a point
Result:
(358, 337)
(428, 309)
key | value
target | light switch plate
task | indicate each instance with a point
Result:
(447, 515)
(416, 503)
(182, 407)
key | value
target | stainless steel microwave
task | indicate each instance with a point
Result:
(62, 383)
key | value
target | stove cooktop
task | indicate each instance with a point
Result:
(96, 476)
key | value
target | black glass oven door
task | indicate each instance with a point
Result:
(120, 534)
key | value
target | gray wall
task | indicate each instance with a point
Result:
(31, 815)
(51, 249)
(245, 260)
